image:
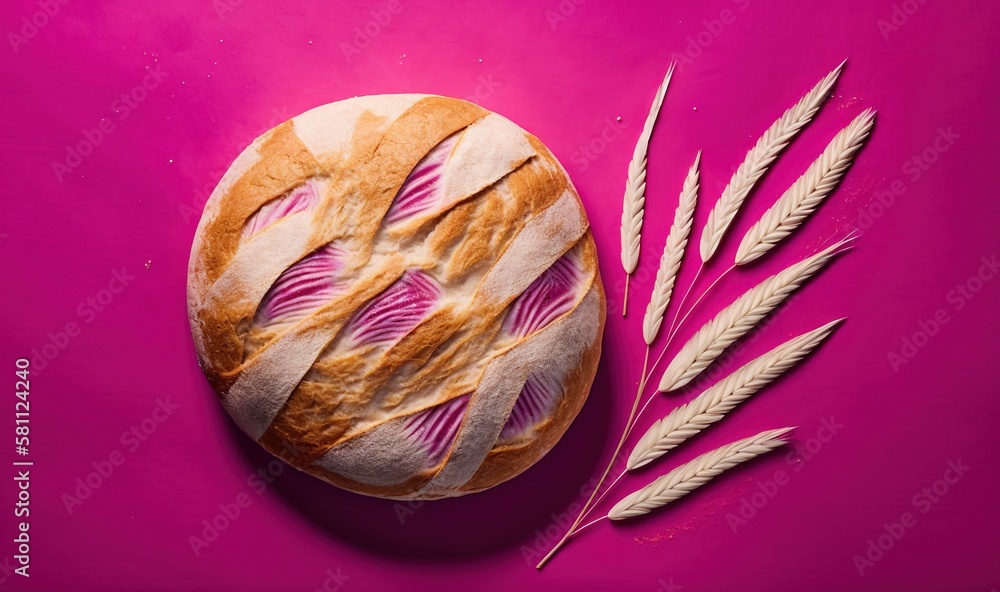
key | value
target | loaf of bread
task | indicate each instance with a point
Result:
(398, 294)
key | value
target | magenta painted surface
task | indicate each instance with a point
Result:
(125, 214)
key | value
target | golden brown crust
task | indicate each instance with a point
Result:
(510, 212)
(509, 460)
(285, 163)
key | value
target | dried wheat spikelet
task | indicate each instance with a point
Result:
(758, 159)
(692, 475)
(808, 192)
(673, 253)
(737, 319)
(635, 187)
(713, 404)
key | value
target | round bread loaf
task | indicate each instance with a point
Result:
(398, 294)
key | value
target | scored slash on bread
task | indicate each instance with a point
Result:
(423, 186)
(396, 311)
(302, 288)
(302, 198)
(549, 297)
(398, 294)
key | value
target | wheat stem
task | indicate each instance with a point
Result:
(604, 476)
(674, 329)
(600, 498)
(645, 405)
(591, 523)
(670, 337)
(698, 301)
(680, 306)
(625, 299)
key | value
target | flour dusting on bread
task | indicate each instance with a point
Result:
(398, 294)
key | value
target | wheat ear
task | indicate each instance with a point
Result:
(737, 319)
(635, 188)
(808, 192)
(758, 159)
(692, 475)
(713, 404)
(673, 253)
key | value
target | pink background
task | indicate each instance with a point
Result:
(233, 69)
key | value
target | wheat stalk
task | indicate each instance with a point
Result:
(635, 188)
(734, 321)
(758, 159)
(737, 319)
(713, 404)
(808, 192)
(673, 253)
(692, 475)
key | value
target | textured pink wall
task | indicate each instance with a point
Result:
(119, 117)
